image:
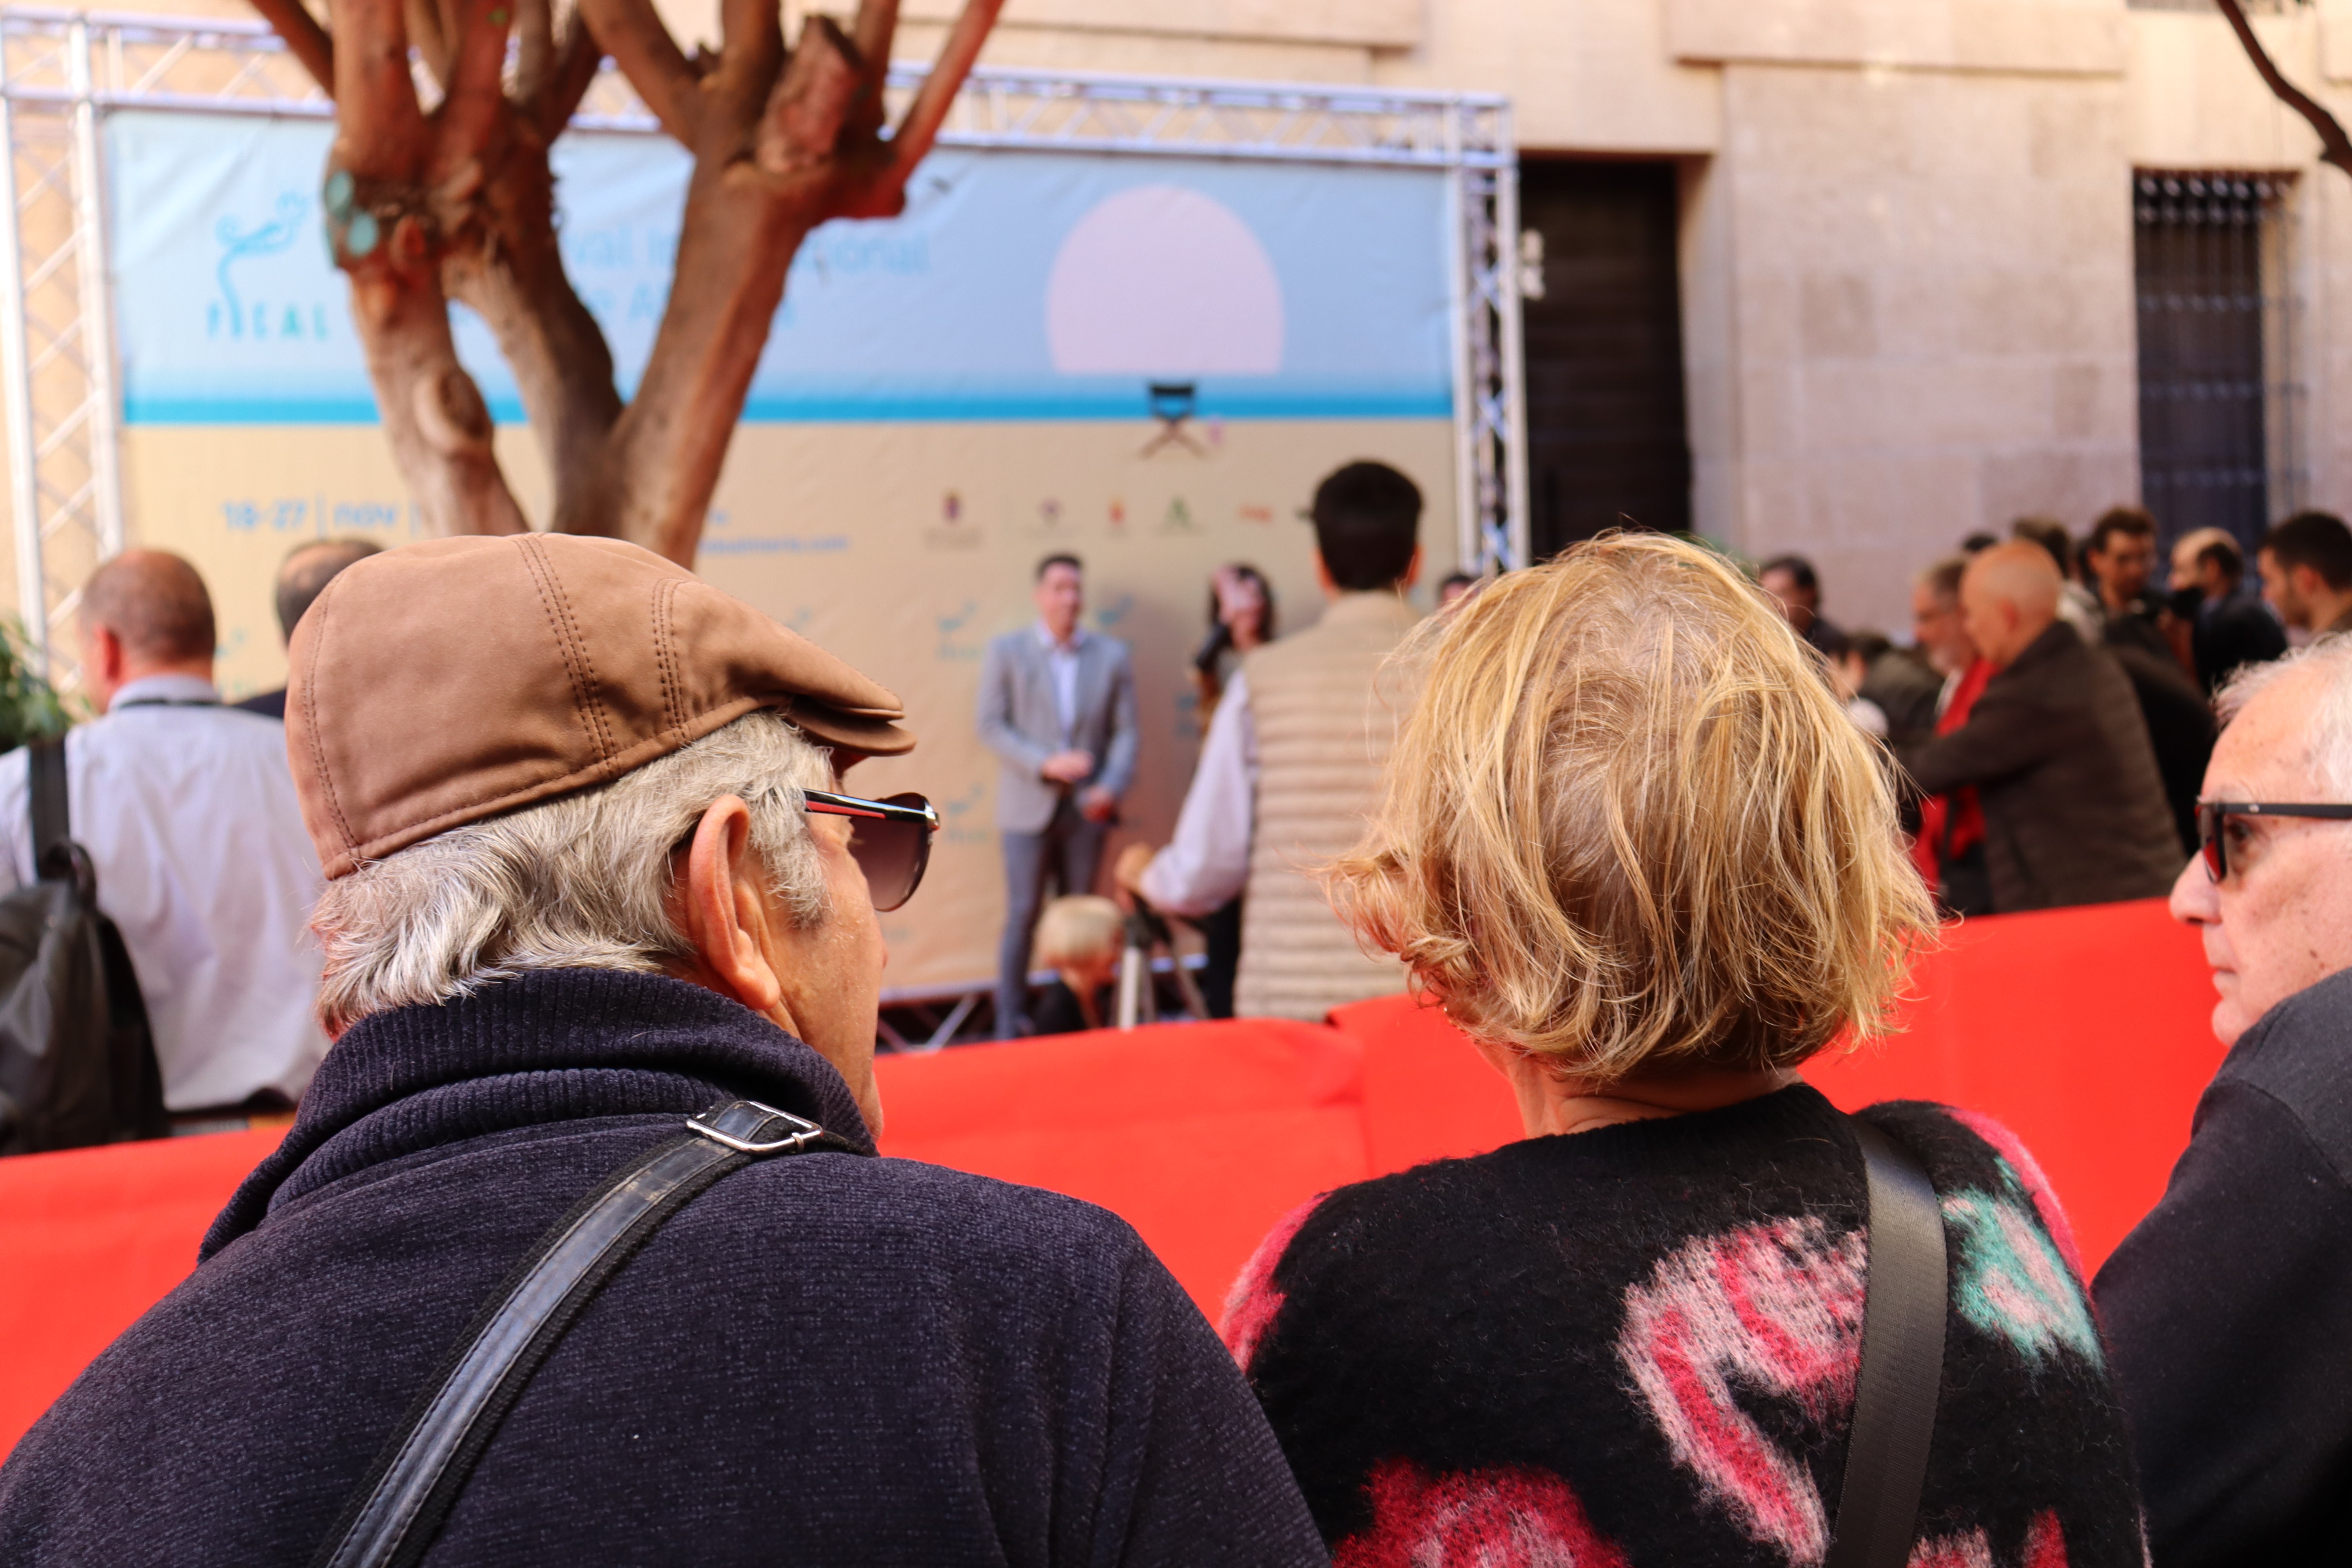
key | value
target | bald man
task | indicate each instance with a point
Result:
(302, 576)
(2055, 747)
(188, 811)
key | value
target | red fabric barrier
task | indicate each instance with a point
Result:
(90, 1239)
(1200, 1135)
(2085, 1030)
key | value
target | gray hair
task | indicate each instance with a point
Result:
(582, 881)
(2330, 736)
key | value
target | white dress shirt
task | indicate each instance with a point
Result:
(1062, 658)
(189, 815)
(1207, 860)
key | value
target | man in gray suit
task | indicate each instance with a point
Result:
(1058, 704)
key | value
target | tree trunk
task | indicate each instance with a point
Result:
(423, 208)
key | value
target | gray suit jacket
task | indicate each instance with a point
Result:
(1022, 724)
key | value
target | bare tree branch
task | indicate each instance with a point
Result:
(535, 47)
(2337, 147)
(924, 117)
(750, 59)
(578, 58)
(633, 33)
(305, 39)
(379, 129)
(802, 124)
(475, 110)
(424, 20)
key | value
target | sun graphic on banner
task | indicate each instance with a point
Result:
(1163, 280)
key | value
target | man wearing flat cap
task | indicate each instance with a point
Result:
(580, 1251)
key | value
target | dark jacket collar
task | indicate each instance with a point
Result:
(553, 1045)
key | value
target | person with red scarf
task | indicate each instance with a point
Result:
(1949, 849)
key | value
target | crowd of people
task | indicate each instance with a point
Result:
(578, 1249)
(2052, 718)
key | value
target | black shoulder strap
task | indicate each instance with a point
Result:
(1902, 1360)
(52, 818)
(398, 1508)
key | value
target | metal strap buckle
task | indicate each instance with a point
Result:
(753, 1119)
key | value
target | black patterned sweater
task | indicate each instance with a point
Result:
(1636, 1346)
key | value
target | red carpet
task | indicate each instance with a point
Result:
(2084, 1030)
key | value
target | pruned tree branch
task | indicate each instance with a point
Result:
(535, 46)
(578, 58)
(639, 41)
(937, 95)
(2336, 147)
(476, 109)
(423, 19)
(305, 39)
(379, 129)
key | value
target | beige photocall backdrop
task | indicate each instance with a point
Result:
(902, 547)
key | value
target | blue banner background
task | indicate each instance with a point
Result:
(1016, 286)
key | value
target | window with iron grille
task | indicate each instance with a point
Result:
(2218, 396)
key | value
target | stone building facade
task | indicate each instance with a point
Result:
(1897, 257)
(1856, 277)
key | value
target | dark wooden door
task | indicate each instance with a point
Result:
(2203, 443)
(1607, 442)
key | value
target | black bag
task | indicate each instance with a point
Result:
(1904, 1298)
(77, 1060)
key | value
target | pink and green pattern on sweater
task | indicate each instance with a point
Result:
(1638, 1345)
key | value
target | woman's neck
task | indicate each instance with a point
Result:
(1549, 1103)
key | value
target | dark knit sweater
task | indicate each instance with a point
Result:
(827, 1359)
(1637, 1345)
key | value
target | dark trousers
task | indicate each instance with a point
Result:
(1065, 853)
(1221, 931)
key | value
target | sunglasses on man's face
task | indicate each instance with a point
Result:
(2212, 834)
(890, 839)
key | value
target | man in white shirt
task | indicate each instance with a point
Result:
(188, 812)
(1292, 763)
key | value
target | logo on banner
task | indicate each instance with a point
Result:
(236, 315)
(955, 648)
(960, 818)
(956, 530)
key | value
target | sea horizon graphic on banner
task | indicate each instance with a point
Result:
(1024, 286)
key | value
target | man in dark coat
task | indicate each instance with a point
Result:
(2228, 1309)
(595, 898)
(2056, 749)
(302, 576)
(2232, 625)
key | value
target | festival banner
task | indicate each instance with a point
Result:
(1147, 362)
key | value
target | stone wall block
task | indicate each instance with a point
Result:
(2062, 36)
(1839, 319)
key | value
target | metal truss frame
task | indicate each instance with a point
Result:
(61, 70)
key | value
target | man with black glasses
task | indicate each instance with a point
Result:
(580, 1251)
(2229, 1309)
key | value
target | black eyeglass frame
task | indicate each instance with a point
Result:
(2215, 850)
(900, 810)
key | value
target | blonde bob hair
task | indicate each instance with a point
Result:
(1628, 827)
(1079, 932)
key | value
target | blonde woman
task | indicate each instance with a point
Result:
(1632, 846)
(1080, 939)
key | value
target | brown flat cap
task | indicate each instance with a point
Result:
(444, 682)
